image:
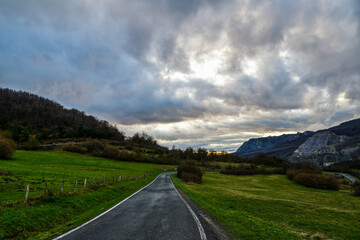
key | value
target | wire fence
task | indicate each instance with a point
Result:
(53, 187)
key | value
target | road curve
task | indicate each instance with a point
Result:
(156, 212)
(348, 176)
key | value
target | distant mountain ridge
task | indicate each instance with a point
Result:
(272, 144)
(326, 146)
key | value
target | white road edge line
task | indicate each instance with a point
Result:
(198, 223)
(101, 214)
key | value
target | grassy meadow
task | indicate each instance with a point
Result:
(34, 167)
(273, 207)
(56, 213)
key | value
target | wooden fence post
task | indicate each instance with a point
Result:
(62, 187)
(85, 183)
(45, 188)
(27, 193)
(75, 185)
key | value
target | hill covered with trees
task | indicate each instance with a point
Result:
(28, 118)
(25, 114)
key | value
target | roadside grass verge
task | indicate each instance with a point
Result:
(56, 215)
(273, 207)
(46, 216)
(34, 167)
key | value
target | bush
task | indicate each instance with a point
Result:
(191, 177)
(316, 180)
(75, 148)
(110, 152)
(357, 189)
(267, 160)
(32, 143)
(7, 148)
(251, 169)
(306, 166)
(125, 155)
(189, 173)
(94, 146)
(291, 174)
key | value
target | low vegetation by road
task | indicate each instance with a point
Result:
(54, 212)
(273, 207)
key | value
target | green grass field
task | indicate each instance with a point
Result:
(56, 214)
(272, 207)
(34, 167)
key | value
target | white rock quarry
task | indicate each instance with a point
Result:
(319, 141)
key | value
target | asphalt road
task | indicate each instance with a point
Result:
(156, 212)
(348, 176)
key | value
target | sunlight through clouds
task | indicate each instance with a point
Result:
(190, 73)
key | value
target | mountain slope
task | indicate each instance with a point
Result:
(282, 146)
(335, 144)
(24, 114)
(349, 128)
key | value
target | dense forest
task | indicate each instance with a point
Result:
(25, 114)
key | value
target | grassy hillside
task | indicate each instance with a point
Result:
(54, 213)
(272, 207)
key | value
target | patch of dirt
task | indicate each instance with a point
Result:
(6, 173)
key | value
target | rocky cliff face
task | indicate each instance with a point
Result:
(326, 146)
(319, 141)
(265, 144)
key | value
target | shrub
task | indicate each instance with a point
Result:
(251, 169)
(125, 155)
(357, 189)
(267, 160)
(7, 148)
(32, 143)
(94, 146)
(6, 134)
(291, 174)
(139, 157)
(191, 177)
(75, 148)
(110, 152)
(306, 166)
(316, 180)
(189, 173)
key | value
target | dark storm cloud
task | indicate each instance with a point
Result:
(140, 62)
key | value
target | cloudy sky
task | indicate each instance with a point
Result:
(191, 72)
